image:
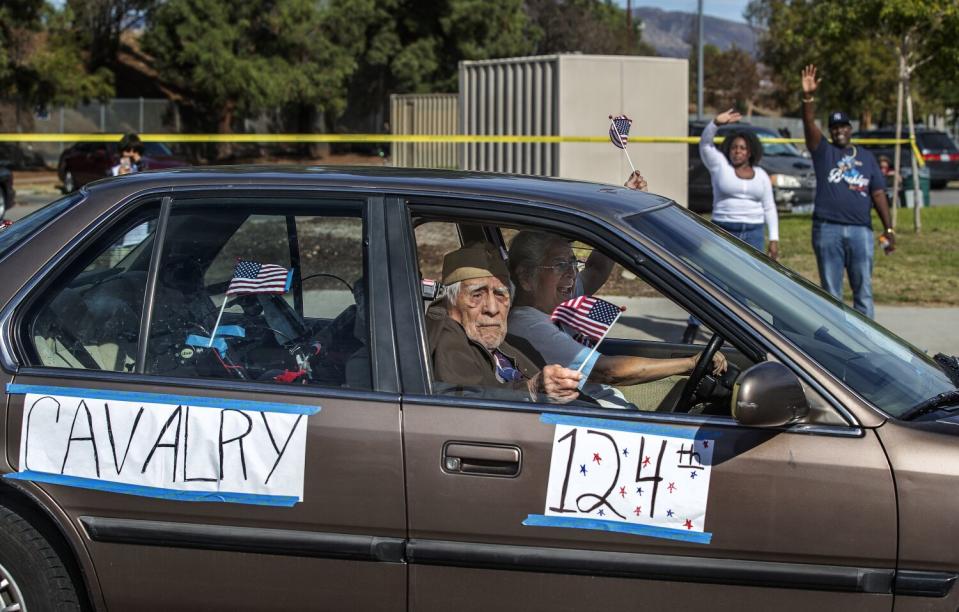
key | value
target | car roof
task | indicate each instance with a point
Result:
(610, 201)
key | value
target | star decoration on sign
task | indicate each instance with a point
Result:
(582, 469)
(705, 443)
(645, 461)
(692, 474)
(622, 491)
(638, 510)
(671, 487)
(597, 458)
(669, 513)
(688, 524)
(625, 452)
(601, 513)
(639, 490)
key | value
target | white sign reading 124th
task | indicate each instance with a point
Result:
(627, 477)
(185, 448)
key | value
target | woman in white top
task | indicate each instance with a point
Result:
(743, 202)
(742, 192)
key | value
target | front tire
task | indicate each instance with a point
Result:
(32, 575)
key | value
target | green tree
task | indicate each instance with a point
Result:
(235, 60)
(586, 26)
(99, 24)
(730, 78)
(42, 59)
(858, 70)
(415, 46)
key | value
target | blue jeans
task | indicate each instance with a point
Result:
(839, 246)
(752, 234)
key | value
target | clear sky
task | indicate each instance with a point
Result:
(727, 9)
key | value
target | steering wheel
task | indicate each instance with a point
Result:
(702, 366)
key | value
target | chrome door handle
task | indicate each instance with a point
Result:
(482, 459)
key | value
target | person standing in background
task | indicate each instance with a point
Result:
(131, 156)
(849, 184)
(743, 202)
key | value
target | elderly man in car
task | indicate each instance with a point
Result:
(467, 333)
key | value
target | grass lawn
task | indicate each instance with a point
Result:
(924, 269)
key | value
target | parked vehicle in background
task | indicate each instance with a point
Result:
(6, 190)
(20, 156)
(792, 175)
(88, 161)
(938, 151)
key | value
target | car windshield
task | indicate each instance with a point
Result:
(777, 148)
(936, 141)
(156, 149)
(23, 228)
(879, 366)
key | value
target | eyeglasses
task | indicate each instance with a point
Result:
(567, 266)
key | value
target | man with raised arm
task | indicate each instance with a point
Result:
(849, 184)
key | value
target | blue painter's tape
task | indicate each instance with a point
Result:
(696, 537)
(691, 432)
(204, 342)
(164, 398)
(231, 330)
(158, 492)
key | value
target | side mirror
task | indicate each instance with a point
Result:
(768, 395)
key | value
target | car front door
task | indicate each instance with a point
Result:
(532, 506)
(199, 468)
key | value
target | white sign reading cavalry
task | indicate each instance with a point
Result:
(192, 448)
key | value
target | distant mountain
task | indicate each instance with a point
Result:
(669, 31)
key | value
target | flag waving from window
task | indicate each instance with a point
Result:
(588, 315)
(252, 277)
(619, 130)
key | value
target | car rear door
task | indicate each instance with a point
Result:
(524, 506)
(219, 493)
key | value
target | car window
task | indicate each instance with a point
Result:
(156, 149)
(262, 291)
(650, 326)
(785, 149)
(935, 141)
(90, 318)
(882, 368)
(13, 234)
(434, 239)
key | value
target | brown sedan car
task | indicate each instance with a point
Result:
(219, 395)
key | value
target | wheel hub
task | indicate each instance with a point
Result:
(11, 599)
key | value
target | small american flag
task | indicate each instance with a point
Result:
(619, 130)
(252, 277)
(590, 316)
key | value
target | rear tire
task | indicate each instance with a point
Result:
(31, 572)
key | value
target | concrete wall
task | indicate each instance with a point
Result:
(424, 114)
(573, 95)
(652, 91)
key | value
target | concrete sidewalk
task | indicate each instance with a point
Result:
(934, 330)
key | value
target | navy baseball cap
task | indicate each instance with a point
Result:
(839, 118)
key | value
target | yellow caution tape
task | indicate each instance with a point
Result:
(401, 138)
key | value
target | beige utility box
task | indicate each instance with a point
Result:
(573, 95)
